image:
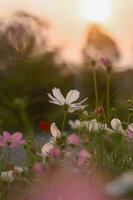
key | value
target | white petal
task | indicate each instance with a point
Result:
(72, 96)
(41, 155)
(54, 130)
(93, 125)
(53, 140)
(102, 126)
(85, 124)
(18, 169)
(54, 102)
(58, 95)
(54, 99)
(71, 109)
(46, 148)
(78, 104)
(78, 107)
(116, 125)
(75, 124)
(7, 176)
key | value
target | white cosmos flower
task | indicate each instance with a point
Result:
(78, 124)
(121, 186)
(117, 125)
(55, 132)
(7, 176)
(94, 125)
(68, 102)
(91, 125)
(75, 124)
(18, 169)
(46, 148)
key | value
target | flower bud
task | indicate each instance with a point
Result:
(106, 62)
(100, 112)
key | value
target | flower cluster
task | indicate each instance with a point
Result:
(92, 141)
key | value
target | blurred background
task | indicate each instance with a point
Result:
(46, 44)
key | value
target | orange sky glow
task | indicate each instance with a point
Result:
(70, 19)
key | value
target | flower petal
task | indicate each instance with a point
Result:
(75, 124)
(7, 176)
(78, 104)
(54, 102)
(16, 137)
(130, 127)
(46, 148)
(54, 130)
(58, 95)
(93, 125)
(116, 125)
(6, 135)
(72, 96)
(73, 139)
(71, 110)
(54, 99)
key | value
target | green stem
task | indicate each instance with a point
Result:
(95, 88)
(8, 154)
(108, 94)
(64, 119)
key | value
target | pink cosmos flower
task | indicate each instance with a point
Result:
(38, 167)
(73, 139)
(83, 157)
(12, 140)
(55, 152)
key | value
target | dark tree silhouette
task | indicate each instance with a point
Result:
(21, 37)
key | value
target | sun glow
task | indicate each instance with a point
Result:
(96, 10)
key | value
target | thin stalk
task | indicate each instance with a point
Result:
(8, 154)
(95, 88)
(108, 94)
(64, 119)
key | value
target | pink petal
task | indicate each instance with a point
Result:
(16, 137)
(83, 157)
(130, 134)
(6, 135)
(38, 167)
(55, 152)
(73, 139)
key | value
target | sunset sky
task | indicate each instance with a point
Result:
(70, 18)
